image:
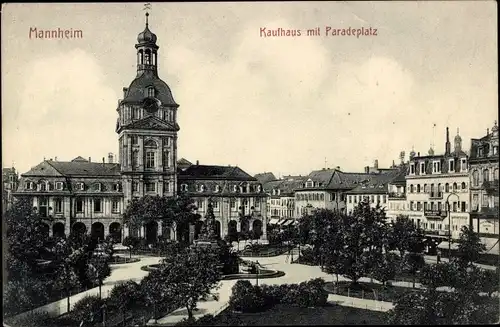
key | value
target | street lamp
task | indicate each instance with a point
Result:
(257, 273)
(449, 221)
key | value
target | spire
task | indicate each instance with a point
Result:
(447, 144)
(147, 15)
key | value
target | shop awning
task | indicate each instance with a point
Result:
(274, 221)
(282, 221)
(288, 222)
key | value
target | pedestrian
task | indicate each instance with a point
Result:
(438, 256)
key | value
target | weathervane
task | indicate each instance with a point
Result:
(147, 7)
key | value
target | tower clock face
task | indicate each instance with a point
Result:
(150, 105)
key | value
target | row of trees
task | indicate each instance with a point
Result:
(464, 304)
(38, 267)
(362, 243)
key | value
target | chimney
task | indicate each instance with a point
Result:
(487, 131)
(367, 169)
(337, 168)
(90, 159)
(418, 154)
(125, 89)
(375, 164)
(103, 160)
(55, 159)
(448, 144)
(197, 162)
(393, 164)
(110, 157)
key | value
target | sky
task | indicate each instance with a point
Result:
(287, 105)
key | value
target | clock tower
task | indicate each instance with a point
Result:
(147, 127)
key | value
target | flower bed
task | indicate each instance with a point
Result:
(264, 250)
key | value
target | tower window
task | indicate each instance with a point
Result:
(150, 159)
(58, 205)
(135, 140)
(150, 187)
(59, 186)
(151, 92)
(135, 159)
(115, 207)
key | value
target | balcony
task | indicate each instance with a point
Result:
(490, 186)
(397, 196)
(485, 212)
(435, 195)
(435, 214)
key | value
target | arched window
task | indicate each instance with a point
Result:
(426, 189)
(475, 178)
(454, 187)
(184, 187)
(447, 187)
(147, 57)
(411, 188)
(464, 186)
(486, 175)
(140, 57)
(418, 188)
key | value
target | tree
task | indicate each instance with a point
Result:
(470, 246)
(436, 275)
(98, 269)
(190, 274)
(332, 249)
(412, 263)
(386, 267)
(124, 296)
(313, 229)
(490, 281)
(364, 239)
(405, 236)
(131, 242)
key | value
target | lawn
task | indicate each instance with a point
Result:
(370, 291)
(282, 315)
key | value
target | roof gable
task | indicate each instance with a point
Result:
(215, 172)
(77, 168)
(43, 169)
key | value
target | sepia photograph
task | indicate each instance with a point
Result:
(250, 163)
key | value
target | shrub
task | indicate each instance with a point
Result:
(305, 294)
(124, 295)
(88, 309)
(246, 298)
(308, 256)
(32, 319)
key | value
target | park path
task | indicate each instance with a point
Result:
(119, 272)
(294, 273)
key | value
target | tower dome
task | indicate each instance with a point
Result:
(458, 142)
(146, 36)
(431, 151)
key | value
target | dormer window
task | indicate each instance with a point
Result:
(259, 188)
(436, 167)
(463, 163)
(59, 186)
(452, 165)
(117, 187)
(217, 189)
(184, 187)
(98, 187)
(422, 168)
(30, 185)
(43, 186)
(80, 186)
(235, 188)
(309, 183)
(201, 188)
(412, 169)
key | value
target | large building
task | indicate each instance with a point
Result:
(437, 190)
(325, 189)
(281, 199)
(82, 195)
(483, 174)
(233, 193)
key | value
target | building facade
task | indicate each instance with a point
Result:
(396, 199)
(281, 199)
(437, 190)
(86, 196)
(10, 181)
(238, 199)
(483, 179)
